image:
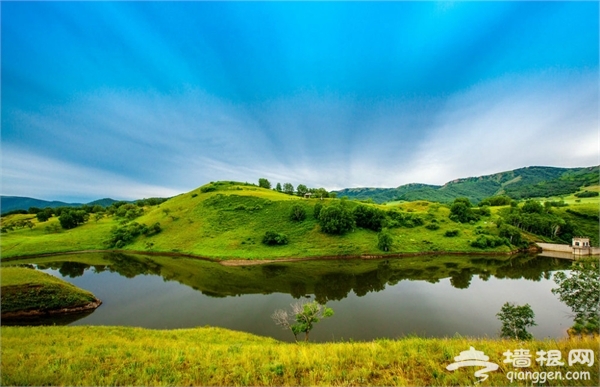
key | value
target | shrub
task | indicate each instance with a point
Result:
(336, 219)
(369, 217)
(451, 233)
(273, 238)
(489, 241)
(384, 240)
(208, 188)
(317, 210)
(511, 233)
(461, 211)
(298, 213)
(432, 226)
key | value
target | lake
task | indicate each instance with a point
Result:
(432, 296)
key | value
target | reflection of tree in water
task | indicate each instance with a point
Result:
(129, 266)
(271, 271)
(461, 279)
(298, 289)
(333, 286)
(73, 269)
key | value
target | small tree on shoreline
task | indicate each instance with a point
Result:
(515, 320)
(302, 317)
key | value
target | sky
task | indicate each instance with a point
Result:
(143, 99)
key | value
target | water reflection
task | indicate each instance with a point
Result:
(426, 295)
(327, 280)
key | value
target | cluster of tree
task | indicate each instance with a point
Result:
(462, 211)
(123, 235)
(338, 218)
(71, 218)
(125, 210)
(537, 219)
(489, 241)
(21, 223)
(495, 201)
(301, 190)
(587, 194)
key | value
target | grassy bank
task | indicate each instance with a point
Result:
(214, 356)
(25, 290)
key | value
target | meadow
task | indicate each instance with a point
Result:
(214, 356)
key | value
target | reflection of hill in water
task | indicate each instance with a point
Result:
(326, 279)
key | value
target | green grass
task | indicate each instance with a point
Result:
(26, 289)
(231, 221)
(213, 356)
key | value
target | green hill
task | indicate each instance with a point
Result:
(11, 203)
(520, 183)
(229, 220)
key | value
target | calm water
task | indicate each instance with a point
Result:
(429, 296)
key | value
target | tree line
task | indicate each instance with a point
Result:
(300, 190)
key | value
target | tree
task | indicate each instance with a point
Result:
(302, 318)
(278, 187)
(274, 238)
(384, 240)
(264, 183)
(581, 292)
(515, 320)
(301, 189)
(461, 211)
(336, 219)
(298, 213)
(288, 188)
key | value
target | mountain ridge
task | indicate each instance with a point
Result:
(521, 183)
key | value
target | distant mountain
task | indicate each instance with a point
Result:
(11, 203)
(520, 183)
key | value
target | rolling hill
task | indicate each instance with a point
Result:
(520, 183)
(11, 203)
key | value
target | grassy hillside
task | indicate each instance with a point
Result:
(97, 356)
(231, 220)
(519, 184)
(26, 289)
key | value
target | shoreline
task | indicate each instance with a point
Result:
(38, 312)
(237, 261)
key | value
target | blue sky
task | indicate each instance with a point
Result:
(132, 100)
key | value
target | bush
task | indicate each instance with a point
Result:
(496, 201)
(512, 234)
(384, 240)
(489, 241)
(72, 218)
(298, 213)
(208, 188)
(336, 219)
(461, 211)
(369, 217)
(317, 210)
(451, 233)
(432, 226)
(273, 238)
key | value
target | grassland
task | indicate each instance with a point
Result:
(230, 222)
(27, 290)
(214, 356)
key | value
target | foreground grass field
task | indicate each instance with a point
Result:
(214, 356)
(26, 289)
